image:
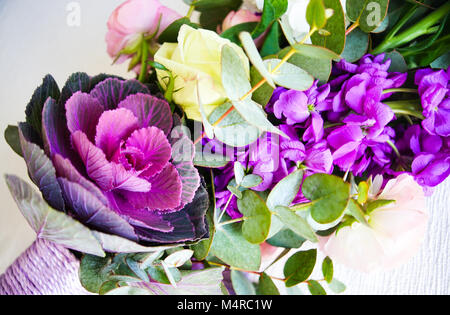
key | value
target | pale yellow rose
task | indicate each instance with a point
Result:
(196, 58)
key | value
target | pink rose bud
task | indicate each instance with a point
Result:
(239, 17)
(135, 18)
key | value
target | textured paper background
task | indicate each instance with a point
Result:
(35, 39)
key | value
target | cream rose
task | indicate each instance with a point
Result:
(196, 58)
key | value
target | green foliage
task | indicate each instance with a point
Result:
(241, 284)
(335, 27)
(299, 267)
(315, 14)
(329, 195)
(289, 75)
(356, 45)
(367, 13)
(213, 12)
(257, 220)
(286, 238)
(94, 271)
(170, 34)
(316, 52)
(319, 68)
(327, 269)
(230, 246)
(202, 248)
(337, 286)
(316, 288)
(13, 139)
(266, 286)
(233, 32)
(282, 195)
(296, 223)
(273, 10)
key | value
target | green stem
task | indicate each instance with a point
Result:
(400, 91)
(394, 147)
(231, 222)
(410, 107)
(417, 30)
(191, 10)
(144, 62)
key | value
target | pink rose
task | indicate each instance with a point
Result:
(395, 234)
(238, 17)
(135, 18)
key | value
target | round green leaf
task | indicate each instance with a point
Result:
(356, 45)
(290, 76)
(299, 267)
(286, 239)
(335, 40)
(257, 221)
(329, 195)
(230, 246)
(367, 13)
(315, 14)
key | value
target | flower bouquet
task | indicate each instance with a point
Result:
(258, 138)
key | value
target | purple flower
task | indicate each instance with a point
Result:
(434, 94)
(430, 156)
(296, 107)
(122, 164)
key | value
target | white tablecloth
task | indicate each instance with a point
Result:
(35, 39)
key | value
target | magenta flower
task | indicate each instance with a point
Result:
(122, 164)
(435, 97)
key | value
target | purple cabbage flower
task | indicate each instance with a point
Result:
(434, 91)
(120, 162)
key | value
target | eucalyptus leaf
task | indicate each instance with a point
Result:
(170, 34)
(255, 58)
(327, 269)
(202, 248)
(49, 223)
(320, 69)
(296, 223)
(316, 52)
(230, 246)
(266, 286)
(356, 45)
(315, 14)
(94, 271)
(329, 194)
(316, 288)
(210, 160)
(257, 220)
(337, 286)
(367, 13)
(234, 78)
(286, 238)
(239, 172)
(335, 40)
(356, 211)
(241, 284)
(251, 180)
(233, 32)
(299, 267)
(262, 95)
(272, 11)
(234, 130)
(179, 258)
(289, 75)
(282, 195)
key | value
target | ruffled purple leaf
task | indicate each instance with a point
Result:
(48, 89)
(150, 111)
(114, 127)
(165, 192)
(183, 151)
(97, 166)
(111, 92)
(92, 212)
(128, 180)
(189, 224)
(153, 148)
(42, 172)
(65, 169)
(82, 114)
